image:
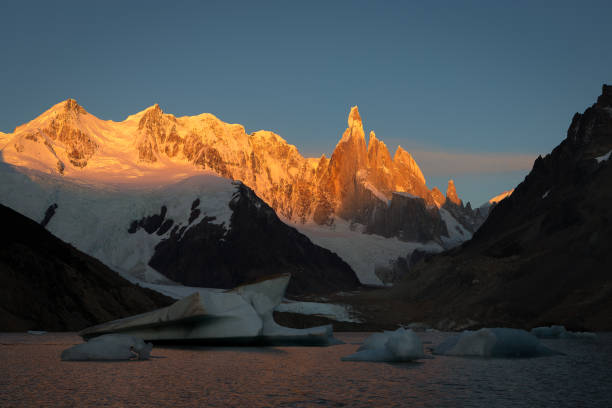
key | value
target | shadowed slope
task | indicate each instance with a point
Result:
(46, 284)
(543, 255)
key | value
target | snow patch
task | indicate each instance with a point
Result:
(376, 192)
(603, 157)
(404, 194)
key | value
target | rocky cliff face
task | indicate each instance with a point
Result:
(357, 183)
(409, 218)
(254, 245)
(451, 193)
(542, 256)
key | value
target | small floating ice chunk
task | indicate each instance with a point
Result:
(400, 345)
(37, 332)
(560, 332)
(109, 347)
(496, 342)
(545, 194)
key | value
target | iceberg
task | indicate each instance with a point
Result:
(399, 345)
(239, 316)
(109, 347)
(496, 342)
(560, 332)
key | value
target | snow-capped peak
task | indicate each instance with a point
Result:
(499, 197)
(153, 145)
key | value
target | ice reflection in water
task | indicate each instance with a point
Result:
(33, 375)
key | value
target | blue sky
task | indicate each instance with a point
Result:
(474, 80)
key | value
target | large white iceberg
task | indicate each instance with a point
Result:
(109, 347)
(399, 345)
(242, 315)
(560, 332)
(496, 342)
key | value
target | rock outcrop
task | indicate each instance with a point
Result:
(409, 219)
(451, 193)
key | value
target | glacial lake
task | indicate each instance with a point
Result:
(33, 375)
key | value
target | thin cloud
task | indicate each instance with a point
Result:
(434, 163)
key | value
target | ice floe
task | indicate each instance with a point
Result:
(109, 347)
(399, 345)
(560, 332)
(495, 342)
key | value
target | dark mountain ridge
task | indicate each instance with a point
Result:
(46, 284)
(543, 256)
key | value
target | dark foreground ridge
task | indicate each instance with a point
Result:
(46, 284)
(544, 254)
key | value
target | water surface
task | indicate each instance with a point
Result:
(33, 375)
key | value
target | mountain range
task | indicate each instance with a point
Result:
(382, 203)
(195, 201)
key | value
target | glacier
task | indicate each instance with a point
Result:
(363, 252)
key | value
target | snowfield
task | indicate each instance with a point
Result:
(95, 217)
